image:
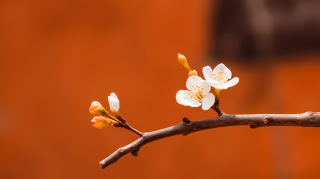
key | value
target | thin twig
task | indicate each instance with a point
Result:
(308, 119)
(127, 126)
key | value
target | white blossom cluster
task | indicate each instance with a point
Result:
(199, 90)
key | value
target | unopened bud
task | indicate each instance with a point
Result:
(193, 73)
(97, 109)
(182, 59)
(114, 103)
(100, 122)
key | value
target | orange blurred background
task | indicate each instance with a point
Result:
(59, 56)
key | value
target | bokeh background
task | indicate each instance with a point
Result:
(56, 57)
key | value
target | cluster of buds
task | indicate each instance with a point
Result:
(198, 92)
(102, 117)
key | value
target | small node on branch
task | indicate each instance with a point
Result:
(135, 152)
(185, 133)
(118, 125)
(310, 113)
(186, 120)
(122, 120)
(268, 120)
(253, 125)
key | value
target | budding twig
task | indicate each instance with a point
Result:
(308, 119)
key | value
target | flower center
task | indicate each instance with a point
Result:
(220, 77)
(196, 93)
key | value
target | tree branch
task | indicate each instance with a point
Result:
(308, 119)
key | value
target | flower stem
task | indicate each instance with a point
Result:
(122, 123)
(217, 94)
(217, 108)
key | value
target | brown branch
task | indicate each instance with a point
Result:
(308, 119)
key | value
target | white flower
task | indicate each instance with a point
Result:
(113, 102)
(220, 77)
(197, 93)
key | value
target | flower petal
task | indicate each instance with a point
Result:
(206, 87)
(215, 84)
(182, 96)
(207, 73)
(99, 119)
(219, 68)
(231, 83)
(193, 81)
(208, 101)
(222, 68)
(114, 104)
(113, 95)
(192, 102)
(98, 125)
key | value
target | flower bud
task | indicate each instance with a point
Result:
(193, 73)
(182, 59)
(100, 122)
(97, 109)
(114, 103)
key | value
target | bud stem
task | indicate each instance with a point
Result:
(127, 126)
(124, 124)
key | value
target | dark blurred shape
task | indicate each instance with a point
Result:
(255, 29)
